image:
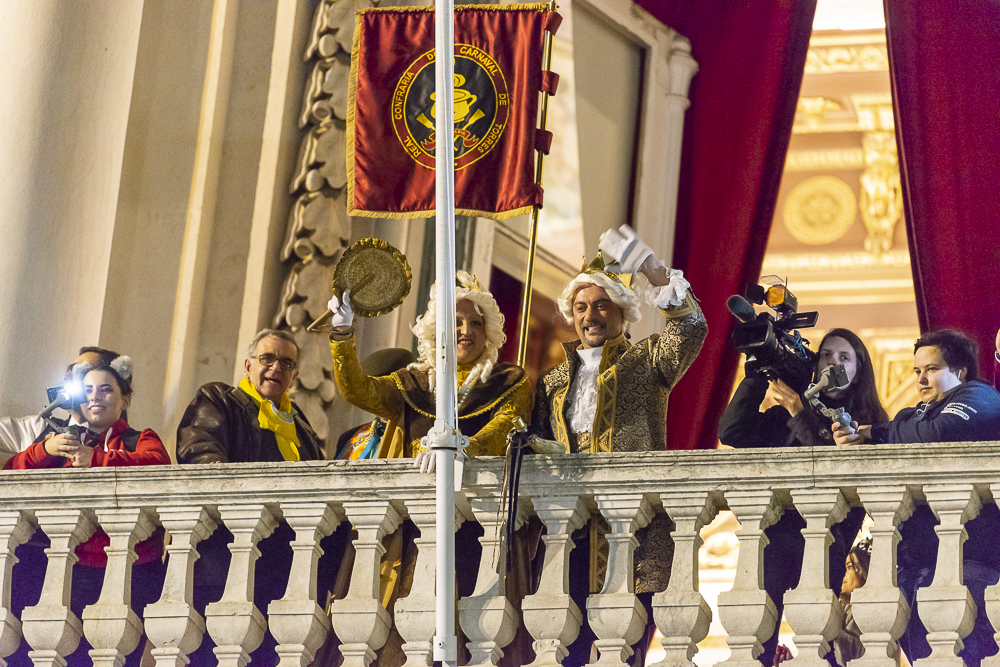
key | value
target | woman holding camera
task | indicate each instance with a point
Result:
(791, 423)
(107, 441)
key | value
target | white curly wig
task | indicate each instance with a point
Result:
(622, 296)
(425, 329)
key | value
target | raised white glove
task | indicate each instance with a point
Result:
(623, 245)
(427, 459)
(343, 314)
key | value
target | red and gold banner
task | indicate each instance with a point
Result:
(391, 110)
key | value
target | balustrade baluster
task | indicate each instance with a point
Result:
(16, 527)
(110, 625)
(616, 615)
(879, 607)
(550, 614)
(682, 615)
(360, 620)
(51, 629)
(992, 596)
(172, 624)
(946, 607)
(296, 621)
(812, 610)
(487, 617)
(415, 614)
(235, 624)
(747, 612)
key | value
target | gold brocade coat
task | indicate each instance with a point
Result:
(633, 385)
(405, 401)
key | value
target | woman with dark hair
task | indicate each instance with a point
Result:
(107, 441)
(955, 406)
(791, 424)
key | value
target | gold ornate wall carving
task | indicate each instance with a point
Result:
(842, 158)
(881, 202)
(826, 58)
(842, 261)
(819, 209)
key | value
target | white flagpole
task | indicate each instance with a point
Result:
(445, 641)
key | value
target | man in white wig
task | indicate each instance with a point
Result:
(490, 395)
(611, 396)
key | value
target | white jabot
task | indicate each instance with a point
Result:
(583, 398)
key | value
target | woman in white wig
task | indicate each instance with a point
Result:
(490, 395)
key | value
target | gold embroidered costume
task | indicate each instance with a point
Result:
(404, 399)
(632, 390)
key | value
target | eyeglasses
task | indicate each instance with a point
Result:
(284, 363)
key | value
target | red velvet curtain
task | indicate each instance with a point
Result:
(944, 60)
(751, 57)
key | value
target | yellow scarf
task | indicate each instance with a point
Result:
(279, 421)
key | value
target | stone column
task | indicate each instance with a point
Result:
(616, 616)
(946, 606)
(415, 615)
(50, 628)
(682, 614)
(16, 527)
(111, 627)
(487, 617)
(813, 611)
(296, 621)
(879, 608)
(62, 167)
(747, 612)
(360, 620)
(550, 615)
(172, 624)
(234, 623)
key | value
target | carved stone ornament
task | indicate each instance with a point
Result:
(319, 228)
(861, 58)
(819, 209)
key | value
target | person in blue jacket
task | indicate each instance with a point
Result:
(955, 406)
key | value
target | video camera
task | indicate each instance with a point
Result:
(773, 346)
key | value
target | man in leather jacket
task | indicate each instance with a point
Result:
(255, 421)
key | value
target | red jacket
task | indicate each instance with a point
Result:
(110, 451)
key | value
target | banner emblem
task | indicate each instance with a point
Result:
(482, 107)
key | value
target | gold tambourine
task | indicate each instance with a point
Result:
(377, 275)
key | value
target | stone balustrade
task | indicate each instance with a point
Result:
(563, 492)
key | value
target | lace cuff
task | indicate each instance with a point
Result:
(663, 296)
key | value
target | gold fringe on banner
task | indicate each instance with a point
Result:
(523, 7)
(352, 91)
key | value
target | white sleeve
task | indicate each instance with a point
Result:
(16, 433)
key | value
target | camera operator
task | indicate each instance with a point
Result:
(792, 424)
(17, 433)
(789, 423)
